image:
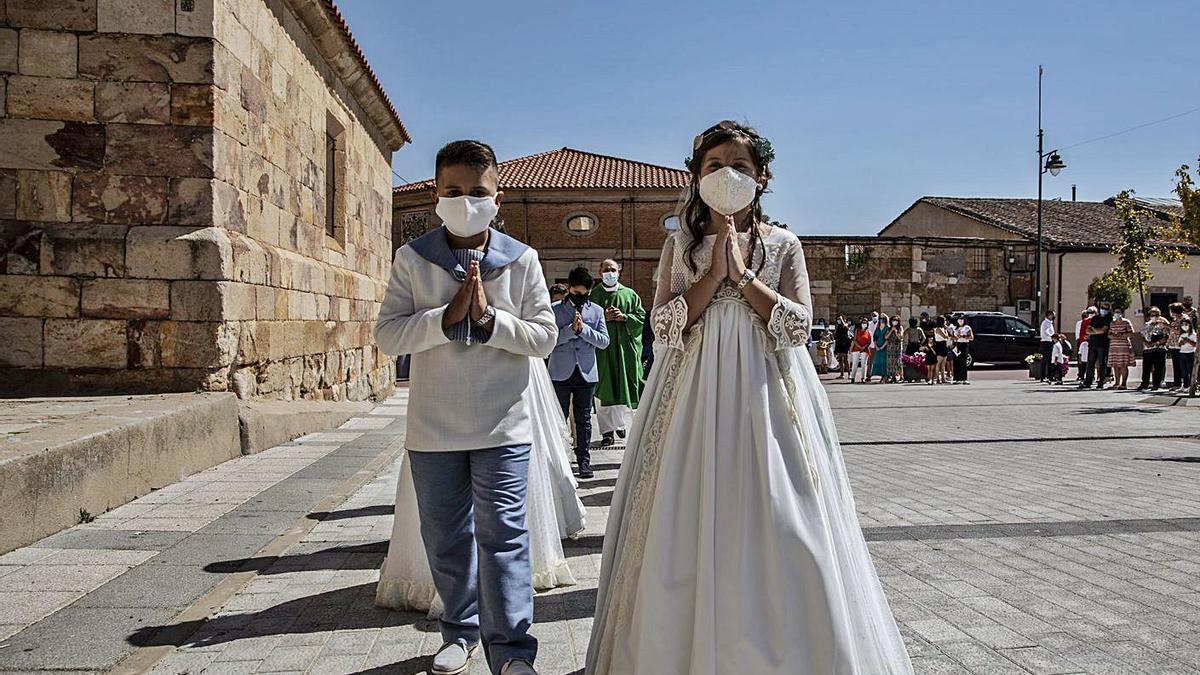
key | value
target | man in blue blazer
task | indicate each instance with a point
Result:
(581, 331)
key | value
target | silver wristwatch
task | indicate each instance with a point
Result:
(488, 314)
(747, 277)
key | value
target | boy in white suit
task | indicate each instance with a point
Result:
(470, 305)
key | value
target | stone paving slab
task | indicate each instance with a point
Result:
(87, 597)
(1040, 555)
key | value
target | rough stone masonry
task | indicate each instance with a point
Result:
(194, 195)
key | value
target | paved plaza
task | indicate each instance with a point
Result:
(1018, 528)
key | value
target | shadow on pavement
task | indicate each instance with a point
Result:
(1118, 409)
(340, 609)
(359, 557)
(598, 499)
(364, 512)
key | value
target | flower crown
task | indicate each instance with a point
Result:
(762, 146)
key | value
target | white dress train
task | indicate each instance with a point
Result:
(733, 546)
(552, 508)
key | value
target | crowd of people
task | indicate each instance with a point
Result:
(1104, 341)
(881, 348)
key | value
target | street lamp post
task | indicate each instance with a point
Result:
(1046, 162)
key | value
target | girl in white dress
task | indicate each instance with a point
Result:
(733, 546)
(553, 512)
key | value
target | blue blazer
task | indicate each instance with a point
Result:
(577, 351)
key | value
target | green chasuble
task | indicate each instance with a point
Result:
(620, 365)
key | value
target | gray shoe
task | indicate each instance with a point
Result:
(517, 667)
(452, 659)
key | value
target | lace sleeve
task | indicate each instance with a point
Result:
(669, 316)
(792, 315)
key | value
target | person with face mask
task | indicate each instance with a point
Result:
(620, 364)
(1097, 332)
(470, 305)
(1120, 349)
(860, 346)
(733, 544)
(574, 365)
(963, 336)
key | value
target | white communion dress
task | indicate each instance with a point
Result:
(733, 546)
(553, 511)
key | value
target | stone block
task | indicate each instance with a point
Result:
(151, 17)
(169, 252)
(264, 300)
(145, 58)
(8, 194)
(22, 342)
(229, 211)
(212, 301)
(251, 263)
(9, 53)
(85, 343)
(43, 196)
(44, 144)
(194, 17)
(190, 344)
(50, 98)
(133, 102)
(143, 150)
(192, 104)
(254, 94)
(191, 201)
(76, 15)
(3, 96)
(48, 53)
(132, 200)
(126, 298)
(84, 250)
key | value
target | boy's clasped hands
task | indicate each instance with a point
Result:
(470, 300)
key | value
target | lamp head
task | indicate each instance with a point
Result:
(1054, 164)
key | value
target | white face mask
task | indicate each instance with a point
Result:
(609, 278)
(728, 191)
(467, 216)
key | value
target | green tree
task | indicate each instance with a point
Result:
(1144, 237)
(1187, 224)
(1110, 288)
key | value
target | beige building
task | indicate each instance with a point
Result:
(1076, 239)
(194, 194)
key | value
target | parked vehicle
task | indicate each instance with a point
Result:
(999, 338)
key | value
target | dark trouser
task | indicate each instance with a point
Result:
(1097, 362)
(1056, 372)
(1176, 369)
(1047, 352)
(1186, 361)
(575, 394)
(960, 362)
(1154, 367)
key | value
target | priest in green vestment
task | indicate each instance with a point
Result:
(620, 364)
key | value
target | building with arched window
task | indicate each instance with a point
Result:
(576, 208)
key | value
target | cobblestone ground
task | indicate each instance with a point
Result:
(1018, 528)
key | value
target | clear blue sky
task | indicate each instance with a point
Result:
(869, 105)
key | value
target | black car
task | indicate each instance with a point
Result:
(1000, 338)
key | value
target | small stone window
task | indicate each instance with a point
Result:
(335, 183)
(977, 262)
(855, 257)
(581, 223)
(671, 222)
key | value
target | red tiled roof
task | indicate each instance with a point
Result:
(348, 37)
(1086, 225)
(568, 168)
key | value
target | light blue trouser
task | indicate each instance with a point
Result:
(472, 507)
